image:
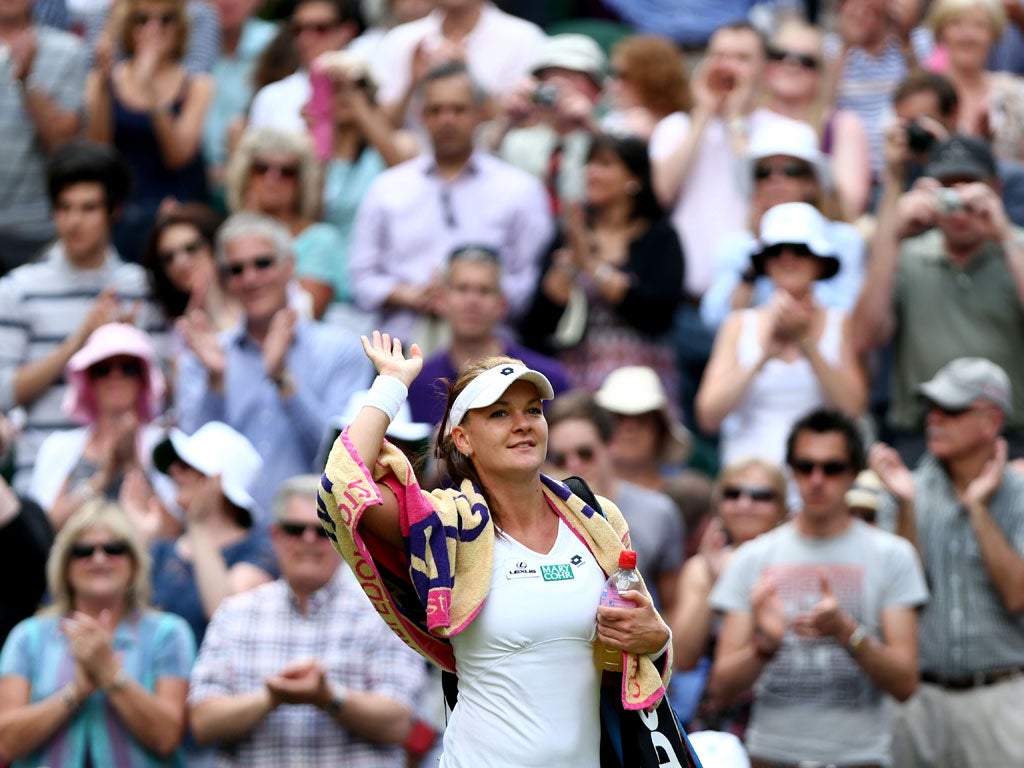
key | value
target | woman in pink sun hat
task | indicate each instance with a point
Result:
(115, 390)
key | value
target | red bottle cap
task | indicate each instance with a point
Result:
(627, 559)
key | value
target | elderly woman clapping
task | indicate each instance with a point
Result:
(99, 678)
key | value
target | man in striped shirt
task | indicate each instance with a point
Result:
(964, 510)
(49, 307)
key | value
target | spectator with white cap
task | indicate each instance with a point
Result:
(115, 390)
(648, 439)
(783, 164)
(961, 507)
(222, 551)
(546, 121)
(772, 364)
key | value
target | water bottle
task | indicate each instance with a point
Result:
(626, 578)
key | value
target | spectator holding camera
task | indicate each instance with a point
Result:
(547, 120)
(928, 107)
(946, 279)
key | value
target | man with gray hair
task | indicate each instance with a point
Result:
(301, 671)
(275, 378)
(474, 307)
(962, 508)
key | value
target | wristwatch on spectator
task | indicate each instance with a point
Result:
(337, 701)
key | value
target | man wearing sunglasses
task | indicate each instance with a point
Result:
(962, 508)
(302, 671)
(945, 280)
(820, 613)
(275, 378)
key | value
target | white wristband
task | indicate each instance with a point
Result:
(660, 653)
(387, 394)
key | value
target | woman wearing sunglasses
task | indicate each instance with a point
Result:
(98, 678)
(782, 165)
(772, 364)
(152, 110)
(183, 274)
(796, 86)
(274, 172)
(750, 499)
(115, 390)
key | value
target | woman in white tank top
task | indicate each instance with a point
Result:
(772, 364)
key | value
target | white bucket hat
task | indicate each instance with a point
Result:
(636, 389)
(791, 138)
(796, 224)
(215, 449)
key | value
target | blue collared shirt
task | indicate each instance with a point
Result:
(326, 368)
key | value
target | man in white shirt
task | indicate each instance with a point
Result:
(415, 214)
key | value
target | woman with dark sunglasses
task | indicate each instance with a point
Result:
(772, 364)
(152, 110)
(750, 499)
(796, 86)
(115, 391)
(183, 275)
(275, 172)
(99, 678)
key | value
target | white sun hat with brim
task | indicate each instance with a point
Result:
(795, 224)
(488, 387)
(635, 389)
(785, 138)
(215, 449)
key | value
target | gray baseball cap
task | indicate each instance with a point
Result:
(962, 381)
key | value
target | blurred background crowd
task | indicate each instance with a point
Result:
(701, 220)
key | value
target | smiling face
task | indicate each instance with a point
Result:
(273, 185)
(968, 36)
(99, 576)
(508, 439)
(609, 180)
(793, 270)
(184, 256)
(575, 448)
(117, 383)
(257, 277)
(794, 61)
(306, 558)
(750, 503)
(953, 434)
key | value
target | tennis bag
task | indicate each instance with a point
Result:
(629, 738)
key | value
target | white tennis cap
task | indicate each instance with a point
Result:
(490, 385)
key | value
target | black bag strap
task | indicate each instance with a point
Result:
(579, 486)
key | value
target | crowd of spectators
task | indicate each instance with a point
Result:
(756, 247)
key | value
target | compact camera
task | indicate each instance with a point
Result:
(948, 200)
(545, 95)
